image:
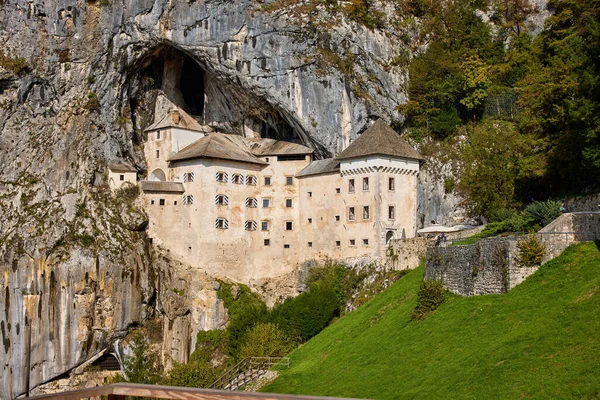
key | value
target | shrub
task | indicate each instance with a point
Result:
(209, 345)
(431, 295)
(128, 193)
(193, 374)
(531, 252)
(543, 212)
(265, 340)
(93, 104)
(449, 184)
(144, 365)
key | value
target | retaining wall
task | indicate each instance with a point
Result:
(492, 265)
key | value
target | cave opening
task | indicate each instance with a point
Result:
(191, 85)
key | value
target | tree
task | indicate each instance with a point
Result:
(265, 340)
(143, 365)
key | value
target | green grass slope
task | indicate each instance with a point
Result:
(541, 340)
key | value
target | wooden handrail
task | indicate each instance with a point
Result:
(118, 391)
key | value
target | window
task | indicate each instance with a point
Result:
(365, 183)
(288, 203)
(352, 242)
(266, 203)
(221, 223)
(310, 220)
(157, 135)
(291, 157)
(121, 177)
(264, 225)
(366, 213)
(175, 202)
(251, 180)
(237, 179)
(351, 185)
(391, 212)
(337, 218)
(286, 246)
(289, 180)
(391, 184)
(365, 242)
(221, 177)
(188, 177)
(289, 225)
(151, 201)
(188, 199)
(267, 159)
(309, 244)
(309, 194)
(221, 200)
(267, 242)
(251, 202)
(250, 225)
(157, 153)
(161, 202)
(338, 243)
(267, 181)
(338, 190)
(351, 214)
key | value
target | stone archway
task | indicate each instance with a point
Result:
(389, 236)
(158, 175)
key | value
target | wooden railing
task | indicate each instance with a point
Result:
(119, 391)
(248, 370)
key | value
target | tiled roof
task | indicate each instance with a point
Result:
(218, 146)
(177, 118)
(318, 167)
(160, 186)
(121, 167)
(379, 139)
(271, 147)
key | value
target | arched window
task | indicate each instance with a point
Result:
(158, 175)
(389, 236)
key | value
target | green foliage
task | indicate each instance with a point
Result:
(143, 366)
(305, 315)
(93, 104)
(209, 346)
(265, 340)
(449, 184)
(543, 212)
(531, 252)
(193, 374)
(430, 296)
(540, 340)
(16, 65)
(491, 156)
(245, 310)
(128, 193)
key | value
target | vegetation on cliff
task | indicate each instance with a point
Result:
(539, 340)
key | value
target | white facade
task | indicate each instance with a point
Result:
(247, 214)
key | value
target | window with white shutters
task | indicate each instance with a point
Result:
(221, 223)
(237, 179)
(250, 225)
(251, 202)
(251, 180)
(221, 177)
(221, 200)
(188, 177)
(188, 199)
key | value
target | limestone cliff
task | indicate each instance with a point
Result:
(78, 82)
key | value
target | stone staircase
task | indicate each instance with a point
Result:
(248, 370)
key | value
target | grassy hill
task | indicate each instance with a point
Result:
(541, 340)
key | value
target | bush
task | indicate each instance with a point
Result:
(144, 365)
(193, 374)
(531, 252)
(265, 340)
(431, 295)
(128, 193)
(93, 104)
(304, 316)
(209, 346)
(543, 212)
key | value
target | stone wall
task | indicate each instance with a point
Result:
(492, 265)
(583, 203)
(406, 253)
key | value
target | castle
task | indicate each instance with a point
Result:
(252, 208)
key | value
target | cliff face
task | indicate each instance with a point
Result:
(78, 82)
